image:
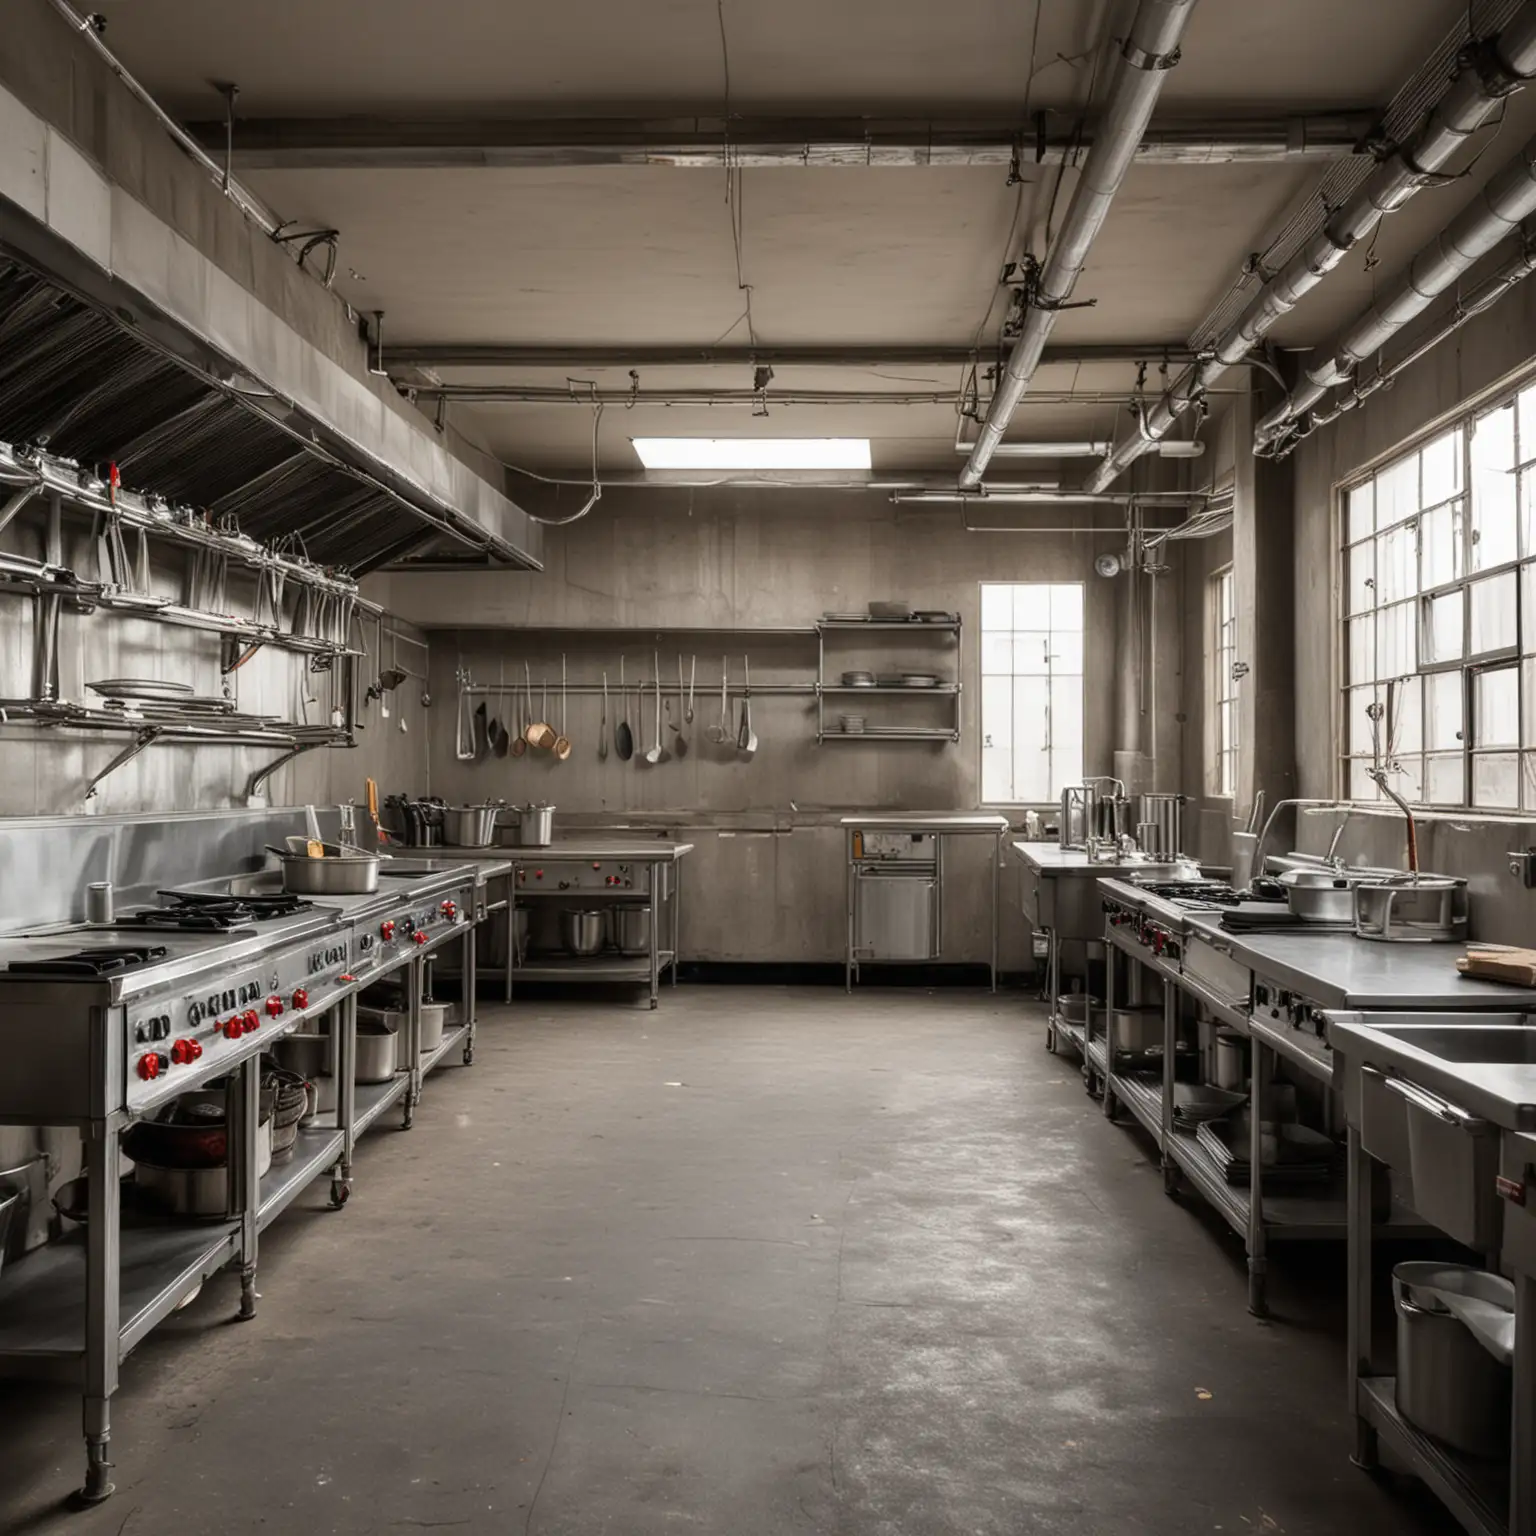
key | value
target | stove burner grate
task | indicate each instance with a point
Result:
(90, 962)
(209, 912)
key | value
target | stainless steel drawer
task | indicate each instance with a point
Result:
(1212, 963)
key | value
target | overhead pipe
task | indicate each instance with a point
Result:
(1497, 212)
(1149, 51)
(1483, 297)
(1173, 448)
(772, 142)
(452, 354)
(1485, 75)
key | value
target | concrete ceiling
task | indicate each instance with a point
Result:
(872, 256)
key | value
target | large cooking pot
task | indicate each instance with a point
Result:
(581, 931)
(350, 874)
(433, 1018)
(535, 825)
(181, 1158)
(1320, 895)
(470, 826)
(198, 1191)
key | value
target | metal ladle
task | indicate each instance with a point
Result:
(720, 734)
(602, 729)
(658, 753)
(562, 747)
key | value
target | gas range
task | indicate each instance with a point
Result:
(103, 1020)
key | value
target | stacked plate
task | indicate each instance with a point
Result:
(919, 680)
(853, 725)
(858, 679)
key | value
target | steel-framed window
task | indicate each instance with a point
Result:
(1221, 648)
(1438, 577)
(1031, 690)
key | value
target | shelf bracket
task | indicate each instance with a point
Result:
(260, 777)
(127, 755)
(234, 656)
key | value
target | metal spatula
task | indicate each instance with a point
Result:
(746, 737)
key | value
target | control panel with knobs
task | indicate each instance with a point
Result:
(599, 875)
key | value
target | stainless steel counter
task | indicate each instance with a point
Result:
(939, 823)
(652, 850)
(1340, 971)
(935, 824)
(1051, 859)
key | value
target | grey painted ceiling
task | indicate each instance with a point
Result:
(856, 256)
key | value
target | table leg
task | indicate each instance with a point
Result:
(1258, 1263)
(674, 876)
(1170, 1054)
(997, 865)
(344, 1068)
(102, 1322)
(1108, 1103)
(655, 940)
(243, 1114)
(511, 938)
(412, 1043)
(851, 886)
(1522, 1473)
(469, 964)
(1358, 1324)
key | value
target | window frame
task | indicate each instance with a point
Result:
(1355, 619)
(1223, 725)
(982, 734)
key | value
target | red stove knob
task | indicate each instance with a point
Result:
(387, 929)
(184, 1052)
(596, 865)
(251, 1020)
(420, 936)
(345, 976)
(233, 1028)
(450, 910)
(300, 997)
(149, 1066)
(274, 1006)
(538, 874)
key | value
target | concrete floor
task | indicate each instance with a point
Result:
(768, 1260)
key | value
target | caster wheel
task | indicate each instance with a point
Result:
(469, 1058)
(1111, 1105)
(340, 1194)
(1050, 1041)
(1170, 1181)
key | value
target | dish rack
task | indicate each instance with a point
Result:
(909, 699)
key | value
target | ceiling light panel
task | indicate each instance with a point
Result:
(753, 452)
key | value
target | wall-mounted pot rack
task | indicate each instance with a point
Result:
(299, 607)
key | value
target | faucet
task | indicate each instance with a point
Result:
(1413, 832)
(1333, 843)
(1280, 805)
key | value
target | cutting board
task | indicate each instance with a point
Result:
(1496, 962)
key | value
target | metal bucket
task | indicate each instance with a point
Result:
(581, 931)
(470, 826)
(632, 930)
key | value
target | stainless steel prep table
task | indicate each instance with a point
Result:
(1333, 970)
(1060, 897)
(1415, 1088)
(936, 824)
(599, 870)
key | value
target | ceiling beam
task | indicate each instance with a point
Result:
(499, 355)
(340, 143)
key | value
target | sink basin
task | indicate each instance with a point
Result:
(1509, 1042)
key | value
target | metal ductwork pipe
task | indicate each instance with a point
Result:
(1507, 199)
(1089, 448)
(1149, 51)
(1486, 75)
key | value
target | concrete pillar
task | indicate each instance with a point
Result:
(1132, 764)
(1263, 539)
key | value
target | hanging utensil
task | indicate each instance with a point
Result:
(693, 676)
(541, 734)
(562, 746)
(623, 737)
(602, 729)
(719, 734)
(658, 753)
(500, 737)
(464, 740)
(680, 746)
(521, 719)
(482, 730)
(746, 739)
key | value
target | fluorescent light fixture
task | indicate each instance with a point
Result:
(753, 452)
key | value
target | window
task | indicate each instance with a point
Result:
(1439, 617)
(1031, 691)
(1221, 649)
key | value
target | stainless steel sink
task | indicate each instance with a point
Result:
(1511, 1041)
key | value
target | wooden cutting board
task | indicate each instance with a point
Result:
(1496, 962)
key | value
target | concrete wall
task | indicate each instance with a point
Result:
(767, 880)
